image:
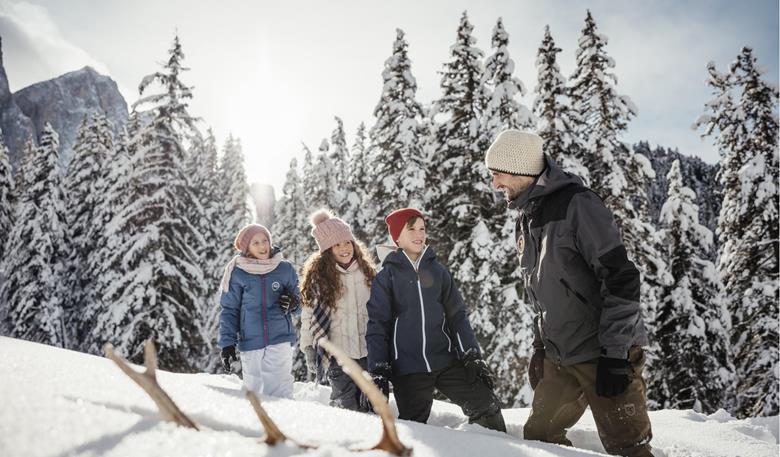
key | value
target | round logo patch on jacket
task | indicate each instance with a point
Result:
(275, 286)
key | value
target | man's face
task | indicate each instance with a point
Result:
(510, 185)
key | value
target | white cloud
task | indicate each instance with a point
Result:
(34, 49)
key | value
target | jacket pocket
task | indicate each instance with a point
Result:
(577, 295)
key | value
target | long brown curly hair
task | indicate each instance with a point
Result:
(321, 280)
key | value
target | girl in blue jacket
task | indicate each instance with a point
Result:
(259, 294)
(419, 337)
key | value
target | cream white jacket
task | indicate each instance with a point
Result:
(349, 320)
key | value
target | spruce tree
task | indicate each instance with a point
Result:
(558, 122)
(745, 131)
(339, 158)
(158, 296)
(503, 110)
(360, 212)
(394, 153)
(7, 196)
(693, 370)
(289, 229)
(34, 253)
(617, 173)
(84, 189)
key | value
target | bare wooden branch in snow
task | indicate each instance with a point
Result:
(148, 382)
(390, 441)
(272, 433)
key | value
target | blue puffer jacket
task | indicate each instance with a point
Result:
(417, 320)
(251, 315)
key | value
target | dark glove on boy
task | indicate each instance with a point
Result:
(612, 377)
(477, 368)
(288, 302)
(228, 353)
(536, 368)
(381, 378)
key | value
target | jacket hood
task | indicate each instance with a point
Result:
(551, 180)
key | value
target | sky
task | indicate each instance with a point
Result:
(275, 74)
(64, 403)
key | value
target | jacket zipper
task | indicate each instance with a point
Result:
(395, 341)
(422, 305)
(263, 311)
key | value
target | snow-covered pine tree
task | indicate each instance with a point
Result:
(617, 173)
(339, 159)
(313, 197)
(693, 370)
(84, 188)
(290, 228)
(602, 113)
(558, 123)
(360, 212)
(103, 259)
(34, 255)
(394, 152)
(202, 171)
(235, 208)
(159, 293)
(503, 110)
(30, 149)
(7, 196)
(746, 132)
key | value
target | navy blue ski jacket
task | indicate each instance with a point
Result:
(417, 320)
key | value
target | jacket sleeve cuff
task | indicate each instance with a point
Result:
(615, 352)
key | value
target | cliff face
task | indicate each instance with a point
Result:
(17, 127)
(65, 101)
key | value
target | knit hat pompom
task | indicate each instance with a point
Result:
(328, 230)
(320, 216)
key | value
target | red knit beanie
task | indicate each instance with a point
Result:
(397, 219)
(246, 234)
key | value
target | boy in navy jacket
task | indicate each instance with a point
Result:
(419, 337)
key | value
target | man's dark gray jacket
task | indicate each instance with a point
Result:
(580, 282)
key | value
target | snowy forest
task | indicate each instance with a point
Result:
(128, 239)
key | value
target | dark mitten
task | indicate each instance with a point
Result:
(536, 368)
(228, 356)
(477, 367)
(289, 302)
(612, 377)
(381, 378)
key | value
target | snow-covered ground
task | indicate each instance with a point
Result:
(62, 403)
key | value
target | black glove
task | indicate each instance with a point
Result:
(612, 377)
(311, 360)
(289, 302)
(536, 368)
(381, 378)
(477, 368)
(228, 353)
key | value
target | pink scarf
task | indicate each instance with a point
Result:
(250, 265)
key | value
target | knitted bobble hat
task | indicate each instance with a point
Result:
(516, 153)
(329, 230)
(246, 234)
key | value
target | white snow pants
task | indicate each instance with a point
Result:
(268, 371)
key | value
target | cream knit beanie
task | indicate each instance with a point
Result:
(516, 153)
(329, 230)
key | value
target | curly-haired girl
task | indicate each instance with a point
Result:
(335, 288)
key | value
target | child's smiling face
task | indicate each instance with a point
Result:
(259, 247)
(412, 239)
(343, 251)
